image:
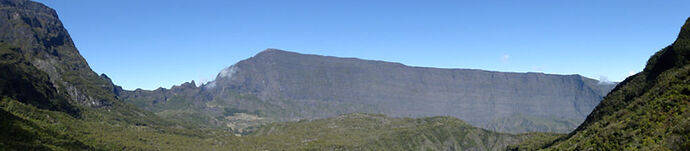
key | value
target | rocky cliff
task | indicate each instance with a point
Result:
(290, 86)
(35, 31)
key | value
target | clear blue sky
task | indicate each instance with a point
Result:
(159, 43)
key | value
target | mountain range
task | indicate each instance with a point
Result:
(280, 85)
(50, 99)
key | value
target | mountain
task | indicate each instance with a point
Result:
(51, 100)
(647, 111)
(34, 31)
(287, 86)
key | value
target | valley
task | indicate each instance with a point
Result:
(51, 99)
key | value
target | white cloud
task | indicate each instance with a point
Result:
(505, 59)
(209, 82)
(631, 73)
(228, 72)
(604, 80)
(210, 85)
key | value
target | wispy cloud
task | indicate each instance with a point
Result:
(604, 80)
(210, 82)
(228, 72)
(631, 73)
(211, 85)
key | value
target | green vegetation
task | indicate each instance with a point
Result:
(20, 80)
(51, 100)
(524, 123)
(648, 111)
(360, 131)
(35, 128)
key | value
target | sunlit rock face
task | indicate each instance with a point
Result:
(317, 84)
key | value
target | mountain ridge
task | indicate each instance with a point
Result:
(50, 99)
(289, 86)
(266, 51)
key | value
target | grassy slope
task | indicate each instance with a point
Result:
(44, 129)
(376, 132)
(524, 123)
(35, 128)
(648, 111)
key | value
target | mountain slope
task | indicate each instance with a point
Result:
(35, 31)
(288, 86)
(647, 111)
(377, 132)
(50, 98)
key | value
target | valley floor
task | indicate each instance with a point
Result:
(38, 129)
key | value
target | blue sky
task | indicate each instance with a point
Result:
(160, 43)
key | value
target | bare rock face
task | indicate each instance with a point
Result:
(292, 86)
(475, 96)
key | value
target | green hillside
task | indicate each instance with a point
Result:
(360, 131)
(40, 129)
(647, 111)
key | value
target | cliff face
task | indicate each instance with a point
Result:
(475, 96)
(35, 32)
(49, 97)
(290, 86)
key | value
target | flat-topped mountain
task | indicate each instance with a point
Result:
(284, 85)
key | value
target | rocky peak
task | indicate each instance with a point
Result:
(188, 85)
(272, 55)
(36, 32)
(273, 51)
(29, 5)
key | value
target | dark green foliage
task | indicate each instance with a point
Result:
(525, 123)
(539, 140)
(359, 131)
(43, 129)
(21, 134)
(39, 129)
(22, 81)
(647, 111)
(37, 35)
